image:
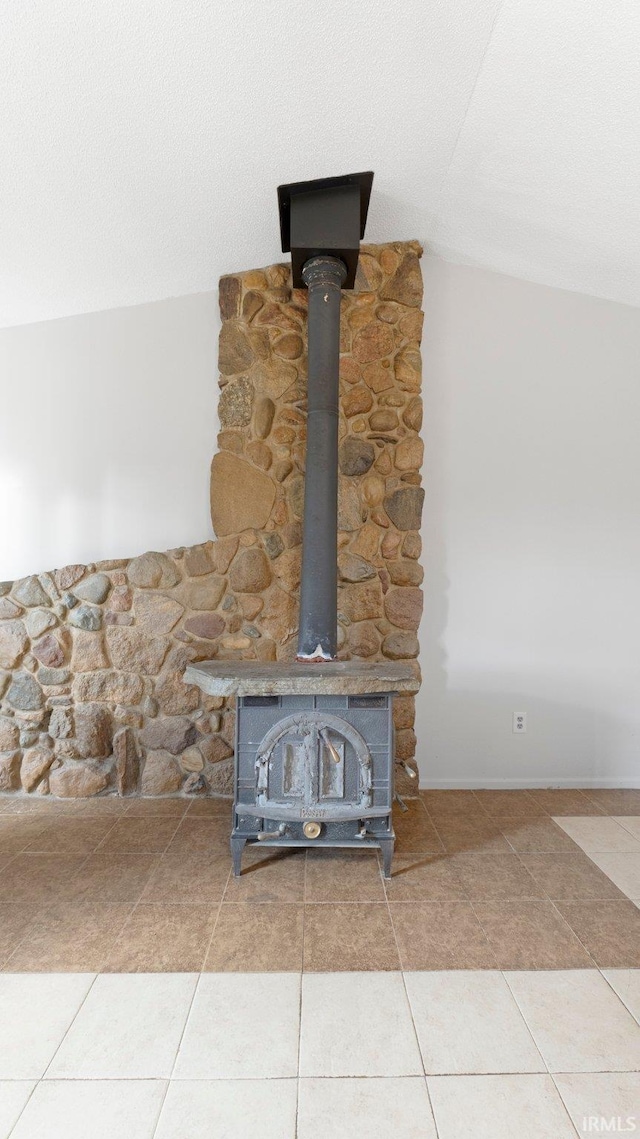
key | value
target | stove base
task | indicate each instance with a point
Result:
(335, 836)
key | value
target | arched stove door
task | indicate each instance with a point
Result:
(313, 765)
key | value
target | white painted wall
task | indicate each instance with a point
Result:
(108, 422)
(531, 533)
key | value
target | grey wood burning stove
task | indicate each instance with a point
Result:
(314, 755)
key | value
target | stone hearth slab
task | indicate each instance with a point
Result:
(245, 678)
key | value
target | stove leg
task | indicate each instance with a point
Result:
(386, 845)
(237, 846)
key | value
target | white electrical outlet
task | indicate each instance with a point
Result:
(519, 722)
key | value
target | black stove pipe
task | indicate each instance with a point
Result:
(318, 633)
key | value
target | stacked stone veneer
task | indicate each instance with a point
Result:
(91, 657)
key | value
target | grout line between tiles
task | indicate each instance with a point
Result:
(304, 926)
(215, 925)
(67, 1080)
(184, 1026)
(415, 1030)
(618, 819)
(574, 932)
(520, 1010)
(132, 818)
(160, 1109)
(69, 1027)
(175, 1059)
(396, 945)
(36, 1084)
(616, 993)
(400, 964)
(566, 1109)
(304, 895)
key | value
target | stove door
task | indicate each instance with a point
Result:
(313, 764)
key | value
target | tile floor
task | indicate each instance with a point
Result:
(481, 880)
(419, 1055)
(490, 990)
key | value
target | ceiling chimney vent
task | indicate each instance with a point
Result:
(326, 217)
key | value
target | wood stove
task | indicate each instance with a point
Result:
(314, 754)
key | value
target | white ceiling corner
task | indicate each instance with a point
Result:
(142, 143)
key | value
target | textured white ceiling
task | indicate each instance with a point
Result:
(141, 141)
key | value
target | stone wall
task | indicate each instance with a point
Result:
(91, 657)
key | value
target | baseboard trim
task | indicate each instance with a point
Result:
(515, 784)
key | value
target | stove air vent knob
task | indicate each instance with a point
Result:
(311, 829)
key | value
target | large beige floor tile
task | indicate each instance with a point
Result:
(357, 1024)
(468, 1022)
(69, 938)
(268, 875)
(610, 931)
(99, 1109)
(17, 832)
(451, 804)
(423, 878)
(602, 1103)
(530, 934)
(440, 935)
(187, 879)
(599, 834)
(215, 1109)
(630, 823)
(564, 801)
(623, 869)
(495, 876)
(617, 800)
(477, 834)
(626, 983)
(343, 1109)
(163, 939)
(498, 1107)
(343, 876)
(36, 1009)
(577, 1021)
(159, 807)
(13, 1096)
(140, 836)
(570, 877)
(39, 879)
(68, 835)
(415, 832)
(509, 803)
(129, 1027)
(257, 939)
(14, 924)
(348, 936)
(113, 878)
(242, 1026)
(536, 834)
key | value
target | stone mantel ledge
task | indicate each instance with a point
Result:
(246, 678)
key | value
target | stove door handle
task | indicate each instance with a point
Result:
(335, 755)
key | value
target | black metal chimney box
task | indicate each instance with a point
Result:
(324, 217)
